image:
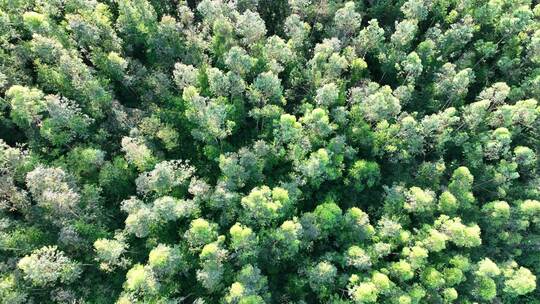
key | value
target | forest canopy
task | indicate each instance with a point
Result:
(269, 151)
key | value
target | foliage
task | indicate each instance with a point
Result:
(257, 151)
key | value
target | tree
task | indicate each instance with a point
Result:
(416, 9)
(210, 118)
(266, 89)
(347, 20)
(288, 130)
(164, 177)
(356, 225)
(358, 258)
(378, 106)
(321, 277)
(218, 82)
(419, 200)
(138, 153)
(26, 104)
(365, 292)
(249, 285)
(402, 270)
(286, 240)
(48, 265)
(238, 61)
(364, 174)
(54, 191)
(404, 33)
(244, 242)
(296, 29)
(460, 186)
(139, 221)
(328, 218)
(200, 233)
(250, 27)
(460, 234)
(519, 282)
(370, 39)
(317, 125)
(111, 253)
(452, 86)
(166, 260)
(279, 53)
(140, 279)
(212, 258)
(319, 167)
(327, 95)
(412, 66)
(241, 168)
(264, 206)
(327, 64)
(185, 75)
(136, 20)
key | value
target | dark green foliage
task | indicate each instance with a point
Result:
(261, 151)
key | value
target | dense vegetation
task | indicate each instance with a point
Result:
(265, 151)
